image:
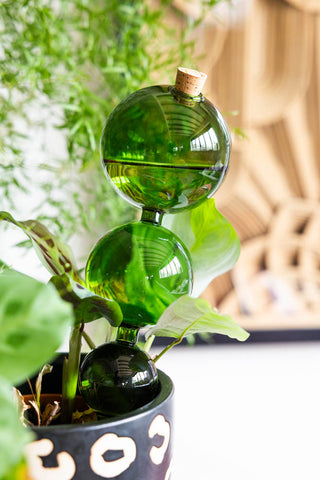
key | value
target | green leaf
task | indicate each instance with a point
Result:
(55, 255)
(3, 266)
(33, 324)
(87, 305)
(187, 316)
(92, 140)
(13, 436)
(211, 240)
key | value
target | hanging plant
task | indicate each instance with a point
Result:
(66, 65)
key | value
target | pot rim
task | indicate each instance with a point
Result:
(166, 392)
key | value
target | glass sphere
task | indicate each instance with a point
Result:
(144, 267)
(164, 150)
(117, 377)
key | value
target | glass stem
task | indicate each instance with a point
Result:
(152, 216)
(128, 335)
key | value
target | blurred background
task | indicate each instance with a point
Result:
(247, 411)
(264, 64)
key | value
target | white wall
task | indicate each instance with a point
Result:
(246, 412)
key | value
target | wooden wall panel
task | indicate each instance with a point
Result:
(266, 65)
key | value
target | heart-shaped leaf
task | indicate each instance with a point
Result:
(87, 305)
(33, 323)
(211, 240)
(187, 316)
(55, 255)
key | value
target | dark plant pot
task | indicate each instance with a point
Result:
(134, 446)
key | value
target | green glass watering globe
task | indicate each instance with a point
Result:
(144, 267)
(164, 149)
(118, 377)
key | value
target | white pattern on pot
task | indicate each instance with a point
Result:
(110, 441)
(159, 426)
(65, 470)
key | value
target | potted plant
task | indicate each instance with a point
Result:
(125, 446)
(52, 317)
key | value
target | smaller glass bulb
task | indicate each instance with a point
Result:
(117, 377)
(142, 266)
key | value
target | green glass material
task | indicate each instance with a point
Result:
(144, 267)
(164, 150)
(118, 377)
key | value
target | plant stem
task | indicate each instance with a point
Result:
(88, 340)
(70, 374)
(165, 350)
(148, 343)
(111, 333)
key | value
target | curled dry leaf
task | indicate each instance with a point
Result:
(36, 408)
(45, 369)
(50, 412)
(21, 405)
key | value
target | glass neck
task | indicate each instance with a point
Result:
(184, 98)
(128, 335)
(152, 216)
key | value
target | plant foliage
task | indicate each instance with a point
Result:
(58, 259)
(13, 436)
(87, 306)
(211, 240)
(187, 316)
(33, 314)
(56, 256)
(33, 322)
(29, 313)
(68, 64)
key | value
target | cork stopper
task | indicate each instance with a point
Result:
(189, 81)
